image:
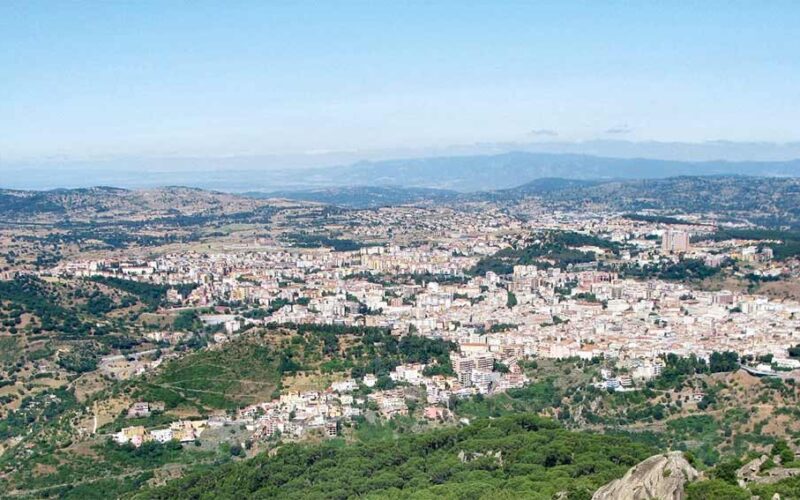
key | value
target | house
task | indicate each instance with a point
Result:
(187, 430)
(134, 435)
(139, 409)
(161, 435)
(348, 385)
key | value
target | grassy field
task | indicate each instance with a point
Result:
(237, 374)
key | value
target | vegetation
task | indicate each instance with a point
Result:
(537, 456)
(35, 411)
(519, 456)
(658, 219)
(548, 249)
(306, 240)
(684, 270)
(28, 294)
(715, 489)
(153, 295)
(81, 359)
(787, 246)
(239, 372)
(250, 369)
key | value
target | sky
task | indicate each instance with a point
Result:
(98, 79)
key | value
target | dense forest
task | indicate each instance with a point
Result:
(510, 457)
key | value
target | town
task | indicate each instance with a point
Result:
(589, 299)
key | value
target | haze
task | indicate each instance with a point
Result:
(309, 83)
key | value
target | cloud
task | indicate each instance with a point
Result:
(543, 132)
(619, 130)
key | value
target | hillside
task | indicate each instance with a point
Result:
(40, 228)
(765, 200)
(509, 448)
(510, 457)
(364, 196)
(769, 201)
(109, 203)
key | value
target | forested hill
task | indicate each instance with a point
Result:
(769, 200)
(522, 456)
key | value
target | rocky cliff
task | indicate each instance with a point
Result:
(661, 477)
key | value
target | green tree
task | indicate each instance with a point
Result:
(511, 301)
(715, 489)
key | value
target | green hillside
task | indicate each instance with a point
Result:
(523, 456)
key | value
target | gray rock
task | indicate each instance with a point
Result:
(661, 477)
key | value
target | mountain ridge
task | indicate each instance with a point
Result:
(464, 172)
(508, 170)
(772, 201)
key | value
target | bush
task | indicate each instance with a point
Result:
(715, 489)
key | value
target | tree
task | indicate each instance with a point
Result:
(782, 450)
(726, 470)
(511, 301)
(715, 489)
(500, 367)
(727, 361)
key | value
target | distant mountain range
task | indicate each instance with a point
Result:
(503, 171)
(464, 173)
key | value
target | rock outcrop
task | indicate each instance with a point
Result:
(751, 473)
(661, 477)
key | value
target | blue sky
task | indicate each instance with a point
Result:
(94, 79)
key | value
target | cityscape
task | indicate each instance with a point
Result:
(399, 250)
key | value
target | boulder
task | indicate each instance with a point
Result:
(661, 477)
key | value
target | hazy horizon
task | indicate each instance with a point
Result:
(587, 160)
(310, 84)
